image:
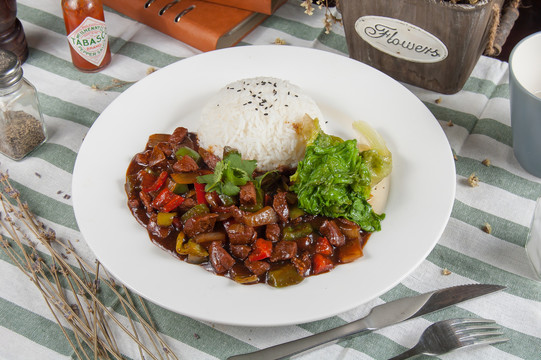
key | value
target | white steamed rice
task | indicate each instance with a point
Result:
(261, 118)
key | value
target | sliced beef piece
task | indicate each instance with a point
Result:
(146, 199)
(187, 204)
(302, 264)
(284, 250)
(142, 158)
(279, 204)
(200, 224)
(134, 203)
(272, 232)
(178, 136)
(156, 156)
(166, 148)
(240, 251)
(248, 195)
(350, 229)
(155, 229)
(240, 234)
(237, 213)
(257, 267)
(219, 258)
(185, 164)
(332, 232)
(208, 158)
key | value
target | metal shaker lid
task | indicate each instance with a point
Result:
(10, 69)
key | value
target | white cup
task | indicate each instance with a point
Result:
(525, 89)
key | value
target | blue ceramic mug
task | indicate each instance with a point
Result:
(525, 89)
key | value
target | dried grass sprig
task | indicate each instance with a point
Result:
(74, 293)
(330, 19)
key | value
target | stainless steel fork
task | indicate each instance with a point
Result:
(445, 336)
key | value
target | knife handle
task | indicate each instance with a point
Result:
(309, 342)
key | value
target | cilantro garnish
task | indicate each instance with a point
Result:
(229, 174)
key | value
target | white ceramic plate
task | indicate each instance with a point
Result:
(418, 207)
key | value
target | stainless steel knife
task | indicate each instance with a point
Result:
(379, 317)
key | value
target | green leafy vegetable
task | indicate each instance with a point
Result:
(376, 155)
(229, 174)
(333, 180)
(380, 166)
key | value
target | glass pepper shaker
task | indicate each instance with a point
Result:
(21, 122)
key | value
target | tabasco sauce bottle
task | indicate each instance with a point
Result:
(87, 34)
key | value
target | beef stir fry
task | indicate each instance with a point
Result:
(250, 231)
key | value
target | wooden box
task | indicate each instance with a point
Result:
(432, 44)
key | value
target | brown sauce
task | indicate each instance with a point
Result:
(285, 266)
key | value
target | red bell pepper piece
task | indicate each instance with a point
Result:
(321, 263)
(166, 200)
(323, 246)
(162, 198)
(261, 249)
(173, 203)
(156, 185)
(200, 193)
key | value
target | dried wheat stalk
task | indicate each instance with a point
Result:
(73, 293)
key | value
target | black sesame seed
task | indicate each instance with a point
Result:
(266, 114)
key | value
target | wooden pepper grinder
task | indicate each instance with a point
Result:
(12, 36)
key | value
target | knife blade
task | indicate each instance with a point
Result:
(380, 316)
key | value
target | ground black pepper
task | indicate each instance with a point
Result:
(21, 133)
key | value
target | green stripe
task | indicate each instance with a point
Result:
(47, 207)
(197, 334)
(189, 331)
(520, 345)
(41, 18)
(34, 327)
(141, 53)
(305, 32)
(58, 155)
(294, 28)
(501, 228)
(458, 118)
(38, 329)
(485, 126)
(487, 88)
(515, 346)
(494, 129)
(55, 107)
(66, 69)
(496, 176)
(136, 51)
(381, 347)
(334, 41)
(481, 272)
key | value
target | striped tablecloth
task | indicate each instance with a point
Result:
(475, 120)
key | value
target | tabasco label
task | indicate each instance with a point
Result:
(89, 40)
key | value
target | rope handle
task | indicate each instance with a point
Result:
(502, 25)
